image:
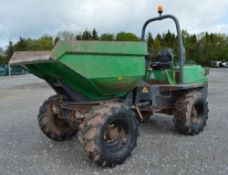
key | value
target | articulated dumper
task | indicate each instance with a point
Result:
(105, 89)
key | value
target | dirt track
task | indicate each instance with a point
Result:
(161, 150)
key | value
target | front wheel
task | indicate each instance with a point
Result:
(191, 113)
(109, 134)
(51, 125)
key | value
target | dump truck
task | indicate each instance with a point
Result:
(104, 90)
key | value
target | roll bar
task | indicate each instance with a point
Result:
(180, 40)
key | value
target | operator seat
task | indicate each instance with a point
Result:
(165, 59)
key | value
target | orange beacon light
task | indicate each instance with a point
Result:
(160, 9)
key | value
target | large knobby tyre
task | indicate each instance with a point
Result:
(191, 113)
(53, 127)
(109, 134)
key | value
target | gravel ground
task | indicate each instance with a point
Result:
(161, 150)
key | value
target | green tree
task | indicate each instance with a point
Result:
(94, 34)
(3, 59)
(157, 44)
(21, 45)
(190, 43)
(107, 37)
(56, 40)
(43, 43)
(150, 40)
(46, 42)
(9, 51)
(126, 36)
(204, 49)
(201, 48)
(86, 35)
(169, 40)
(79, 36)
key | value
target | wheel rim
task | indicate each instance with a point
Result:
(197, 113)
(116, 135)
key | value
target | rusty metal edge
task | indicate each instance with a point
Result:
(30, 57)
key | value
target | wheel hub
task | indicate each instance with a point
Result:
(195, 115)
(115, 133)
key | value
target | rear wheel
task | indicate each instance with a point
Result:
(191, 113)
(52, 126)
(109, 134)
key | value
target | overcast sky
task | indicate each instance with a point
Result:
(33, 18)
